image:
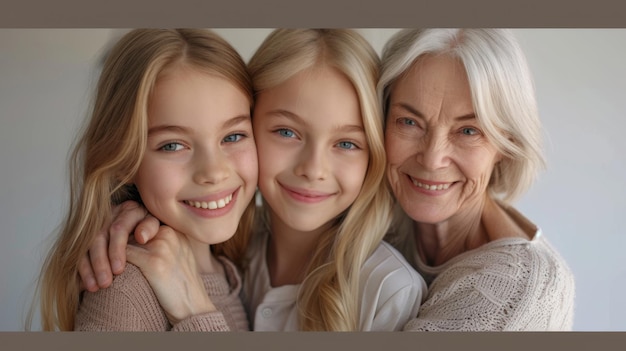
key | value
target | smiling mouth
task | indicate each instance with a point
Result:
(211, 205)
(431, 187)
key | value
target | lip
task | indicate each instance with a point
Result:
(430, 183)
(215, 196)
(218, 212)
(305, 195)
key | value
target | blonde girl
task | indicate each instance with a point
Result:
(171, 129)
(316, 260)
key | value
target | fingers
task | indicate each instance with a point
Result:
(129, 213)
(87, 277)
(169, 266)
(162, 252)
(100, 261)
(147, 229)
(136, 255)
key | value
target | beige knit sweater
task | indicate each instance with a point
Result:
(129, 304)
(511, 284)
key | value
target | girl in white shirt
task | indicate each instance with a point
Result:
(317, 261)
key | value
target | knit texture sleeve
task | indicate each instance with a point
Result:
(211, 321)
(224, 293)
(127, 305)
(518, 287)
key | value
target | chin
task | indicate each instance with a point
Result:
(428, 215)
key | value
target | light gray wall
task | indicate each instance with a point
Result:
(46, 81)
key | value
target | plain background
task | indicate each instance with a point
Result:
(47, 78)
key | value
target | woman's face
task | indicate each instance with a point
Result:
(440, 161)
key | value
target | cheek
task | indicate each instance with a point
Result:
(247, 164)
(143, 180)
(157, 191)
(396, 148)
(397, 151)
(269, 168)
(478, 168)
(353, 174)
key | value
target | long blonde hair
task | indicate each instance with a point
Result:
(111, 147)
(329, 295)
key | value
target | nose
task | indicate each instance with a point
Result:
(313, 163)
(210, 166)
(435, 152)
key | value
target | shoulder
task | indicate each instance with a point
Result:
(128, 304)
(529, 263)
(390, 290)
(131, 279)
(130, 282)
(522, 284)
(130, 290)
(388, 271)
(129, 287)
(518, 258)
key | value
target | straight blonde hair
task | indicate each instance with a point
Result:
(329, 295)
(110, 150)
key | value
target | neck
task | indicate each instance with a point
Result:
(206, 262)
(464, 231)
(289, 252)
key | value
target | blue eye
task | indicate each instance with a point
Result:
(346, 145)
(408, 122)
(171, 147)
(233, 138)
(469, 131)
(286, 133)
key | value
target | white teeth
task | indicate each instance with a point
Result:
(211, 205)
(431, 187)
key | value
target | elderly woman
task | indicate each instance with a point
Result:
(463, 140)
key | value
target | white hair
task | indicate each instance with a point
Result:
(502, 91)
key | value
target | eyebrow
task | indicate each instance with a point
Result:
(168, 128)
(294, 117)
(419, 114)
(286, 114)
(186, 130)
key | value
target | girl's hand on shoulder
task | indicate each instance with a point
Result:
(168, 264)
(107, 253)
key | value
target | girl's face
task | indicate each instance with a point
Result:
(199, 171)
(312, 149)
